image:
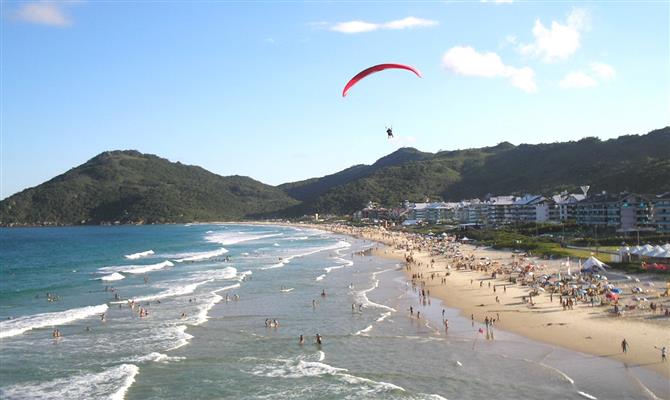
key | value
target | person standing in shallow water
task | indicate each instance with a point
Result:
(624, 346)
(301, 340)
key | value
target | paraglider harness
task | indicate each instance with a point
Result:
(389, 132)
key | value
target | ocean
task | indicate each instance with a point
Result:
(209, 289)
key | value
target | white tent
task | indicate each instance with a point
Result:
(666, 246)
(635, 250)
(662, 254)
(657, 252)
(593, 265)
(646, 249)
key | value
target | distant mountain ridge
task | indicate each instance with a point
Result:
(312, 188)
(639, 163)
(131, 187)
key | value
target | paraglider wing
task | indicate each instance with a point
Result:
(374, 69)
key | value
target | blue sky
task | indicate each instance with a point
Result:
(255, 88)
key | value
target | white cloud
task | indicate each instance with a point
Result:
(577, 80)
(43, 13)
(409, 22)
(464, 60)
(600, 72)
(560, 41)
(351, 27)
(603, 71)
(354, 27)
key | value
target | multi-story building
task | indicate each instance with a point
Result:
(662, 212)
(500, 210)
(530, 208)
(624, 211)
(637, 213)
(603, 209)
(432, 212)
(566, 205)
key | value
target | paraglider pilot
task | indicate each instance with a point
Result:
(389, 132)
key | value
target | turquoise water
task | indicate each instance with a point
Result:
(208, 290)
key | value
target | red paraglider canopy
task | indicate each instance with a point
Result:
(374, 69)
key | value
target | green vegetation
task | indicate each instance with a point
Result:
(635, 163)
(131, 187)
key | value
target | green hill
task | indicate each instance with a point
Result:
(639, 163)
(312, 188)
(131, 187)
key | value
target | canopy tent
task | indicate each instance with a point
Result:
(593, 265)
(648, 251)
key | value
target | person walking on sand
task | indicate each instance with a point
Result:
(664, 353)
(624, 346)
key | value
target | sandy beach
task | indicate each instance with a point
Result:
(592, 329)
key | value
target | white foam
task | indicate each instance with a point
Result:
(199, 256)
(112, 277)
(112, 383)
(384, 316)
(172, 292)
(299, 368)
(320, 277)
(216, 274)
(223, 289)
(155, 357)
(228, 238)
(20, 325)
(558, 371)
(286, 290)
(362, 297)
(588, 396)
(363, 331)
(202, 315)
(179, 335)
(137, 269)
(322, 355)
(141, 254)
(338, 245)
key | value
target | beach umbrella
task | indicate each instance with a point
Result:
(612, 296)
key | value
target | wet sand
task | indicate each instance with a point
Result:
(587, 329)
